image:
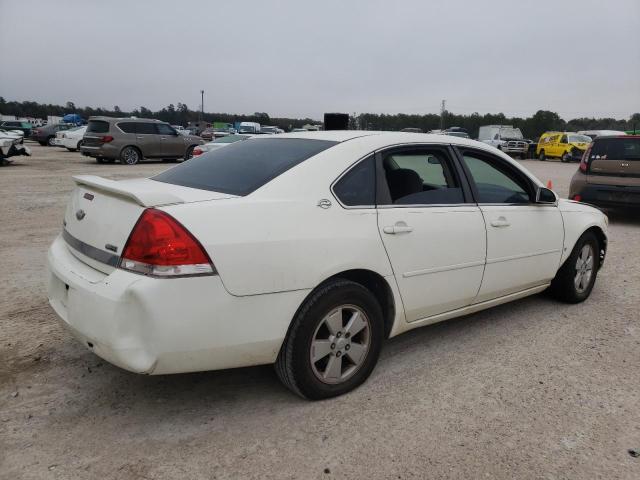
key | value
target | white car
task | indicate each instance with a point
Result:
(11, 145)
(220, 142)
(70, 139)
(308, 250)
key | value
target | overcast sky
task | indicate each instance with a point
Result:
(300, 58)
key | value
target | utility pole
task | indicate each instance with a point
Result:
(442, 110)
(202, 105)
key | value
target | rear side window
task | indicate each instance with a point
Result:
(97, 126)
(146, 128)
(616, 149)
(127, 127)
(243, 167)
(357, 186)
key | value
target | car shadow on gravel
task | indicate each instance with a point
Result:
(108, 388)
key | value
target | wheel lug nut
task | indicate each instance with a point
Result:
(333, 346)
(338, 354)
(347, 335)
(339, 334)
(347, 347)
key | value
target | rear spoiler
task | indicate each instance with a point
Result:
(147, 197)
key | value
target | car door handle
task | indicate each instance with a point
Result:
(500, 222)
(399, 227)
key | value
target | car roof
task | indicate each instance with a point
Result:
(122, 119)
(381, 137)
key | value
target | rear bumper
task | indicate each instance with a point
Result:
(106, 150)
(157, 326)
(607, 195)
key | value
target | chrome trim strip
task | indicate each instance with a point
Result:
(90, 251)
(458, 266)
(523, 255)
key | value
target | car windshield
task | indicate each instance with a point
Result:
(579, 139)
(230, 139)
(510, 133)
(241, 168)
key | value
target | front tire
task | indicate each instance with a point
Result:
(575, 279)
(189, 153)
(334, 341)
(566, 157)
(541, 156)
(130, 156)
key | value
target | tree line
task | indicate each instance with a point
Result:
(180, 114)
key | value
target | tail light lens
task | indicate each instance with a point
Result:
(577, 198)
(584, 162)
(106, 139)
(197, 151)
(160, 246)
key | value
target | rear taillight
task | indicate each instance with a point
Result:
(160, 246)
(584, 162)
(106, 139)
(197, 151)
(577, 198)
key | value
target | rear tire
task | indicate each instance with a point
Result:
(541, 156)
(130, 156)
(324, 329)
(577, 276)
(99, 159)
(50, 141)
(44, 144)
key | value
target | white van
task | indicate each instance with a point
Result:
(249, 127)
(505, 138)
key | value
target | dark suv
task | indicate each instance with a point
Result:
(609, 173)
(131, 140)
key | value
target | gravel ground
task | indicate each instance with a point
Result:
(532, 389)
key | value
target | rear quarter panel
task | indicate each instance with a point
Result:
(278, 239)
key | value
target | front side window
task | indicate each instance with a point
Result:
(495, 183)
(563, 139)
(164, 129)
(357, 186)
(422, 177)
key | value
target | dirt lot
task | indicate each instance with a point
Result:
(533, 389)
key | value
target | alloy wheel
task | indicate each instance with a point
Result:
(584, 268)
(340, 344)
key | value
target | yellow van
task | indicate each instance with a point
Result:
(566, 146)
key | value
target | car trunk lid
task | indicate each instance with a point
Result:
(102, 212)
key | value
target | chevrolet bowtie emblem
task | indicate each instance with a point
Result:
(80, 214)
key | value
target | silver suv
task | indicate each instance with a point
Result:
(131, 140)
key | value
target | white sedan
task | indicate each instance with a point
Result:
(309, 250)
(70, 139)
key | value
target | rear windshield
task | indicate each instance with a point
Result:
(97, 126)
(616, 149)
(243, 167)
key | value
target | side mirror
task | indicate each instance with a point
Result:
(546, 197)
